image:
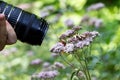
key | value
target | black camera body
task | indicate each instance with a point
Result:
(27, 26)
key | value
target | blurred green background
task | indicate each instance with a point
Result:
(15, 59)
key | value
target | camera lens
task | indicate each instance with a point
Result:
(28, 27)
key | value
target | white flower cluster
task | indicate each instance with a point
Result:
(47, 74)
(81, 75)
(69, 48)
(7, 52)
(57, 48)
(67, 34)
(46, 64)
(54, 55)
(74, 42)
(85, 39)
(36, 62)
(95, 22)
(70, 32)
(69, 23)
(96, 6)
(91, 21)
(46, 11)
(59, 65)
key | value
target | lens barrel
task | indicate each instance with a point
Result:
(27, 26)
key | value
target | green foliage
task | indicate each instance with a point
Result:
(105, 61)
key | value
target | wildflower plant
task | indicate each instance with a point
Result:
(78, 45)
(45, 75)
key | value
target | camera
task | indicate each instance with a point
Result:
(28, 27)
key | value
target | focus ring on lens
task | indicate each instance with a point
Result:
(22, 25)
(44, 28)
(14, 16)
(8, 10)
(31, 19)
(2, 6)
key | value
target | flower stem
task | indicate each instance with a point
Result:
(87, 70)
(67, 62)
(82, 65)
(86, 65)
